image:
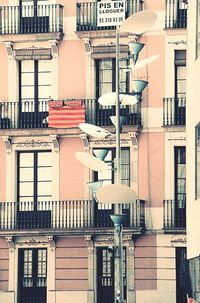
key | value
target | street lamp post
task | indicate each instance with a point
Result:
(117, 193)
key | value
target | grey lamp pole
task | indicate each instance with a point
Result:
(117, 218)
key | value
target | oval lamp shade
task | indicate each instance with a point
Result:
(94, 131)
(139, 23)
(139, 85)
(110, 99)
(91, 161)
(144, 62)
(116, 194)
(101, 153)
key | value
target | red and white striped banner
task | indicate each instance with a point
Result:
(67, 115)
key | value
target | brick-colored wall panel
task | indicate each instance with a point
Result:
(71, 274)
(145, 284)
(72, 263)
(145, 263)
(75, 252)
(71, 285)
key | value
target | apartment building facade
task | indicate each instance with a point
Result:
(56, 61)
(192, 128)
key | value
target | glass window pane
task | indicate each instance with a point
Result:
(44, 159)
(44, 78)
(44, 188)
(44, 65)
(27, 66)
(26, 159)
(26, 189)
(26, 174)
(27, 79)
(44, 173)
(27, 92)
(44, 92)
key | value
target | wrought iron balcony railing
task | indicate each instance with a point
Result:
(30, 114)
(174, 214)
(175, 14)
(31, 19)
(174, 111)
(65, 214)
(87, 14)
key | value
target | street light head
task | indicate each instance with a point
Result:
(116, 194)
(94, 131)
(101, 153)
(122, 120)
(138, 86)
(94, 186)
(91, 161)
(134, 49)
(109, 99)
(139, 23)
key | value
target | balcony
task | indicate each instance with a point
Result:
(176, 14)
(30, 114)
(76, 214)
(174, 215)
(87, 14)
(29, 19)
(174, 111)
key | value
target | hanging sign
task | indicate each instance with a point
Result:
(110, 13)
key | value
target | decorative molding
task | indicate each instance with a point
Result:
(134, 138)
(8, 143)
(87, 45)
(90, 243)
(105, 242)
(179, 241)
(11, 244)
(54, 48)
(55, 143)
(52, 243)
(85, 141)
(32, 242)
(33, 143)
(9, 48)
(183, 138)
(111, 141)
(178, 42)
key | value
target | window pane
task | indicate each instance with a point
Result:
(44, 188)
(26, 189)
(44, 159)
(44, 173)
(26, 174)
(26, 159)
(27, 79)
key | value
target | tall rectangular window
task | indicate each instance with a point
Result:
(182, 275)
(106, 77)
(34, 177)
(32, 275)
(180, 73)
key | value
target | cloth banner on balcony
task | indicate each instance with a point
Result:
(66, 114)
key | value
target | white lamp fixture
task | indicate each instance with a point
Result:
(91, 161)
(109, 99)
(94, 131)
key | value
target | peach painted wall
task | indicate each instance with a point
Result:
(155, 72)
(2, 172)
(69, 7)
(145, 263)
(3, 73)
(72, 69)
(151, 168)
(4, 264)
(71, 264)
(155, 5)
(72, 178)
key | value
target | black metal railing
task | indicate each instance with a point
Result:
(30, 114)
(87, 14)
(65, 214)
(174, 214)
(30, 19)
(175, 14)
(174, 111)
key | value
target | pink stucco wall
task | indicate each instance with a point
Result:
(71, 264)
(3, 73)
(2, 172)
(151, 168)
(154, 5)
(69, 7)
(4, 264)
(155, 72)
(146, 263)
(72, 172)
(72, 69)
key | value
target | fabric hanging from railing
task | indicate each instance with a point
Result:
(66, 113)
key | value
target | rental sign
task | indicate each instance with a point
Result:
(110, 13)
